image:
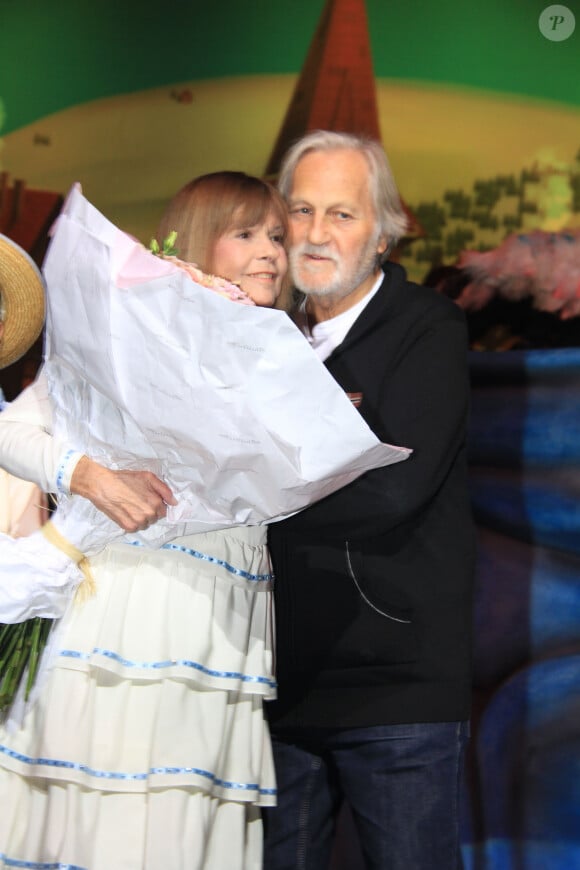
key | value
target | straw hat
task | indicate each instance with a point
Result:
(22, 292)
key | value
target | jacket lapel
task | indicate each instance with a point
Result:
(380, 309)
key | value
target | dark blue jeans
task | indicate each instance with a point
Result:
(402, 783)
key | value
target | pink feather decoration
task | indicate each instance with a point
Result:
(539, 264)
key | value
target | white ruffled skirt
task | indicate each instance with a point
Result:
(147, 748)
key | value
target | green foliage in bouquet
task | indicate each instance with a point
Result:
(167, 248)
(21, 646)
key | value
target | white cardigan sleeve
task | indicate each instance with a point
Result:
(27, 447)
(36, 579)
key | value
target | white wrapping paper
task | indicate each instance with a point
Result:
(226, 402)
(36, 579)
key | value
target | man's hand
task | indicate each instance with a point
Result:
(133, 499)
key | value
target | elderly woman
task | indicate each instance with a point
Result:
(147, 746)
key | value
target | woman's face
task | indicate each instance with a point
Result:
(253, 257)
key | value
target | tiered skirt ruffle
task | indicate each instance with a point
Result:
(148, 746)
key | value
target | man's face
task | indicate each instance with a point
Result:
(333, 229)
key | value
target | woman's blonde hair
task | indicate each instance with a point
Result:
(210, 205)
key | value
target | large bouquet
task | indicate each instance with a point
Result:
(22, 643)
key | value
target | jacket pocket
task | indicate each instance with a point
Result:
(381, 632)
(369, 595)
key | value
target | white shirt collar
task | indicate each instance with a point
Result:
(325, 336)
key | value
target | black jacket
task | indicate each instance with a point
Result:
(374, 583)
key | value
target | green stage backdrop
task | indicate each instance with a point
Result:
(479, 111)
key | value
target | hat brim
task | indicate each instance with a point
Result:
(23, 296)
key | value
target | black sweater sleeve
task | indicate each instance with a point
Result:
(421, 403)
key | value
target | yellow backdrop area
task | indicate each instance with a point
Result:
(130, 153)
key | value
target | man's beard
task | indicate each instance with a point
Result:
(346, 277)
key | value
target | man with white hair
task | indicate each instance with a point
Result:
(373, 583)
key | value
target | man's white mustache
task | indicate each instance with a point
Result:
(315, 251)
